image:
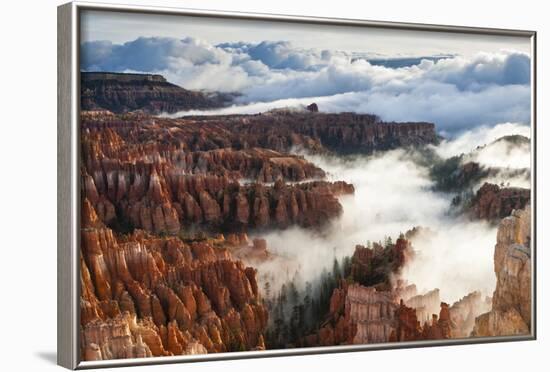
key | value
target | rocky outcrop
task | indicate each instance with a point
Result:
(377, 265)
(408, 328)
(425, 305)
(363, 315)
(464, 312)
(120, 92)
(372, 312)
(493, 203)
(357, 315)
(511, 305)
(163, 188)
(167, 203)
(144, 295)
(389, 309)
(312, 107)
(416, 318)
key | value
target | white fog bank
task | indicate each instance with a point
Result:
(393, 195)
(470, 140)
(509, 161)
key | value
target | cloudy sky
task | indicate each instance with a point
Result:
(457, 81)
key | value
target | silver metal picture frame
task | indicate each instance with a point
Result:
(69, 182)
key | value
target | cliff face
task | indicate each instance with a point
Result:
(511, 307)
(144, 295)
(493, 203)
(425, 305)
(389, 309)
(372, 312)
(279, 130)
(364, 307)
(464, 312)
(363, 315)
(408, 328)
(343, 133)
(357, 315)
(118, 92)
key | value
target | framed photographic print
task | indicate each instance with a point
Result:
(236, 185)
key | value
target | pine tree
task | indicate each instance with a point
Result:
(336, 271)
(292, 293)
(346, 266)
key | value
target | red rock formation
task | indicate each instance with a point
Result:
(279, 131)
(153, 283)
(425, 305)
(135, 182)
(440, 327)
(408, 328)
(511, 306)
(252, 253)
(152, 296)
(120, 92)
(363, 312)
(377, 265)
(493, 203)
(373, 313)
(363, 315)
(389, 309)
(464, 312)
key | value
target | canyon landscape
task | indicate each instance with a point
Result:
(244, 196)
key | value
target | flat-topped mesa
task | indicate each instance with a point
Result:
(122, 77)
(121, 92)
(344, 133)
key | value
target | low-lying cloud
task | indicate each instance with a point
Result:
(455, 92)
(393, 194)
(509, 160)
(503, 154)
(468, 141)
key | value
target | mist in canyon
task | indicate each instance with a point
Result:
(393, 194)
